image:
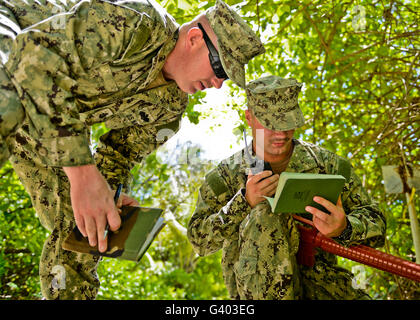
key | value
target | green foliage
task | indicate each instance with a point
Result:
(360, 99)
(197, 98)
(161, 280)
(21, 240)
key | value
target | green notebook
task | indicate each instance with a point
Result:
(139, 226)
(295, 191)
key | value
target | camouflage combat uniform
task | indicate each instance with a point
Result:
(259, 247)
(253, 238)
(129, 95)
(96, 62)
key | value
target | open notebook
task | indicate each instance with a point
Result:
(139, 226)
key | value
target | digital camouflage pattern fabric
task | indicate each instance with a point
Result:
(274, 101)
(259, 247)
(15, 16)
(10, 117)
(96, 62)
(237, 42)
(83, 78)
(75, 65)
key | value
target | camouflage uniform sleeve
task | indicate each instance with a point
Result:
(29, 12)
(119, 150)
(218, 214)
(117, 153)
(46, 61)
(367, 222)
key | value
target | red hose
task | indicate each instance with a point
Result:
(311, 238)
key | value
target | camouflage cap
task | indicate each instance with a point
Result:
(274, 102)
(237, 42)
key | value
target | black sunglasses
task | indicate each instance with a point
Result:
(214, 58)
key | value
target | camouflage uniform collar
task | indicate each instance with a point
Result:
(303, 158)
(160, 59)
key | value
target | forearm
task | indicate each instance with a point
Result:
(82, 175)
(212, 223)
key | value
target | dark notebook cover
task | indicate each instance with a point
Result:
(139, 226)
(295, 191)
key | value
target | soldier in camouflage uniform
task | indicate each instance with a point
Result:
(259, 247)
(125, 63)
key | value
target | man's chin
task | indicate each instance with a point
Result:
(185, 88)
(188, 90)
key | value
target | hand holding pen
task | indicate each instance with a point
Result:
(120, 199)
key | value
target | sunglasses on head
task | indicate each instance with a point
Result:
(214, 58)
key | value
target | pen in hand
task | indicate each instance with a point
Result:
(116, 196)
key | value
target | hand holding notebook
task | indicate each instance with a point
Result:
(139, 226)
(295, 191)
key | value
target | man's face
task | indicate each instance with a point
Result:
(197, 73)
(274, 145)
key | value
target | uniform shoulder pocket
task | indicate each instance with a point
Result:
(216, 182)
(344, 168)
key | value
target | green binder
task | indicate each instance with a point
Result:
(139, 226)
(295, 191)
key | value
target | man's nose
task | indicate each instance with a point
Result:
(280, 134)
(217, 82)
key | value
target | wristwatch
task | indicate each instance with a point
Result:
(346, 234)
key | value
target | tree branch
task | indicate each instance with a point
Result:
(320, 36)
(402, 35)
(15, 251)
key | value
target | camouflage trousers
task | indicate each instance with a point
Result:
(63, 274)
(266, 268)
(325, 281)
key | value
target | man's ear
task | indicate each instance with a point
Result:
(248, 117)
(194, 37)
